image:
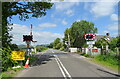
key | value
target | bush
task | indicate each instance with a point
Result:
(62, 48)
(82, 54)
(7, 62)
(86, 55)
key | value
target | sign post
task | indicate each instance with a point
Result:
(28, 39)
(90, 41)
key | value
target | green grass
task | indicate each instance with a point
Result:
(108, 61)
(10, 73)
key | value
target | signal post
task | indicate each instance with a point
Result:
(90, 38)
(28, 39)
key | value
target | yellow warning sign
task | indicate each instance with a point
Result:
(18, 55)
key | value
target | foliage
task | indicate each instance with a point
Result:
(7, 62)
(101, 42)
(76, 33)
(50, 45)
(85, 45)
(62, 48)
(118, 42)
(113, 43)
(86, 55)
(111, 59)
(57, 43)
(13, 46)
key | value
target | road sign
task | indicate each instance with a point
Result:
(94, 50)
(27, 37)
(90, 36)
(90, 42)
(18, 55)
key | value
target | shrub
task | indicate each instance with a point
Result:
(7, 62)
(62, 48)
(86, 55)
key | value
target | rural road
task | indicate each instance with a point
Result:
(57, 64)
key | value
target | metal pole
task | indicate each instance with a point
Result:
(68, 42)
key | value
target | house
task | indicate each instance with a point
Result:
(106, 37)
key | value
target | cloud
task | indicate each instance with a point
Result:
(102, 8)
(64, 22)
(114, 17)
(47, 25)
(106, 31)
(82, 0)
(66, 7)
(113, 27)
(69, 12)
(61, 6)
(42, 37)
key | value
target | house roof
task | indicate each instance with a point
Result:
(97, 37)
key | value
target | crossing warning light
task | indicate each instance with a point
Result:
(90, 36)
(27, 37)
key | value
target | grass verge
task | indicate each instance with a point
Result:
(10, 73)
(110, 62)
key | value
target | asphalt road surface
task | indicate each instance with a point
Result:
(54, 63)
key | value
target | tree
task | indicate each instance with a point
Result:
(57, 43)
(118, 42)
(25, 10)
(77, 31)
(50, 45)
(113, 43)
(14, 47)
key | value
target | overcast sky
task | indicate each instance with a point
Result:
(61, 16)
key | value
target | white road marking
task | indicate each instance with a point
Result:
(60, 63)
(61, 69)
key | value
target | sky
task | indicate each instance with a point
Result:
(104, 14)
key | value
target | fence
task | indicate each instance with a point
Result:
(91, 51)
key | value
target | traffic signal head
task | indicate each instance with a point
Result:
(90, 36)
(27, 37)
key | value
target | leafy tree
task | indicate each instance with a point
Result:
(50, 45)
(77, 31)
(113, 43)
(25, 10)
(57, 43)
(100, 43)
(14, 47)
(118, 42)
